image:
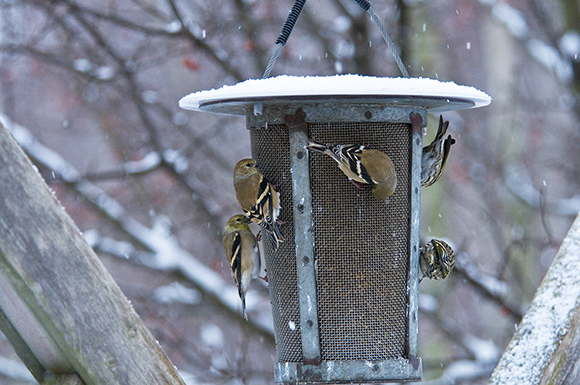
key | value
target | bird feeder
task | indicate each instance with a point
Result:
(344, 284)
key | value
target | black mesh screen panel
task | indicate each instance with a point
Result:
(361, 246)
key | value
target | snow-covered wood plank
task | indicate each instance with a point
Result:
(56, 294)
(546, 346)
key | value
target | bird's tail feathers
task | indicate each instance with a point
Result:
(243, 297)
(443, 126)
(328, 150)
(275, 235)
(316, 146)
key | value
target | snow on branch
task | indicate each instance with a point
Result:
(150, 162)
(490, 286)
(518, 180)
(164, 254)
(462, 371)
(482, 351)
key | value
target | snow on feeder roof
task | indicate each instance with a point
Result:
(435, 95)
(344, 283)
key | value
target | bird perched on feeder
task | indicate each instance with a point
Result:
(362, 166)
(435, 155)
(258, 199)
(436, 259)
(243, 254)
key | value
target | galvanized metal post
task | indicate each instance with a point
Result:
(417, 151)
(302, 207)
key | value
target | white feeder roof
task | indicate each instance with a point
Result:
(238, 99)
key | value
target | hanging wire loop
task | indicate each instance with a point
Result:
(284, 34)
(293, 17)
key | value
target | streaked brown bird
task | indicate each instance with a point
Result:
(362, 166)
(243, 254)
(258, 199)
(436, 259)
(435, 155)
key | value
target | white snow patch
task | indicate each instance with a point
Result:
(82, 65)
(550, 58)
(341, 24)
(179, 162)
(570, 44)
(176, 292)
(211, 335)
(173, 27)
(462, 371)
(344, 85)
(104, 73)
(428, 303)
(119, 248)
(150, 96)
(483, 350)
(149, 162)
(511, 18)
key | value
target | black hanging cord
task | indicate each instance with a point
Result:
(284, 34)
(290, 21)
(295, 13)
(366, 6)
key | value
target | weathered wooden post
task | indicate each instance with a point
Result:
(545, 348)
(60, 309)
(344, 285)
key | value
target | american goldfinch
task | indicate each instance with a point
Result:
(258, 199)
(435, 155)
(243, 254)
(436, 259)
(362, 166)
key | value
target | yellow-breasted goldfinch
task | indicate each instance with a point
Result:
(243, 254)
(436, 259)
(362, 166)
(258, 199)
(435, 155)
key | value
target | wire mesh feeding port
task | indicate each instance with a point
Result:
(344, 284)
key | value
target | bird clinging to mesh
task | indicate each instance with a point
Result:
(258, 199)
(243, 254)
(362, 166)
(435, 155)
(436, 259)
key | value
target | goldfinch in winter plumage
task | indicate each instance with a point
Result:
(362, 166)
(258, 199)
(436, 259)
(243, 254)
(435, 155)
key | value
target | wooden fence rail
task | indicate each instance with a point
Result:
(546, 346)
(61, 310)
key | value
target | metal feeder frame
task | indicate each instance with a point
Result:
(344, 284)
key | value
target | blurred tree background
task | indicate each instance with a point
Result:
(91, 91)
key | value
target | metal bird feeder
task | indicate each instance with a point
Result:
(344, 284)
